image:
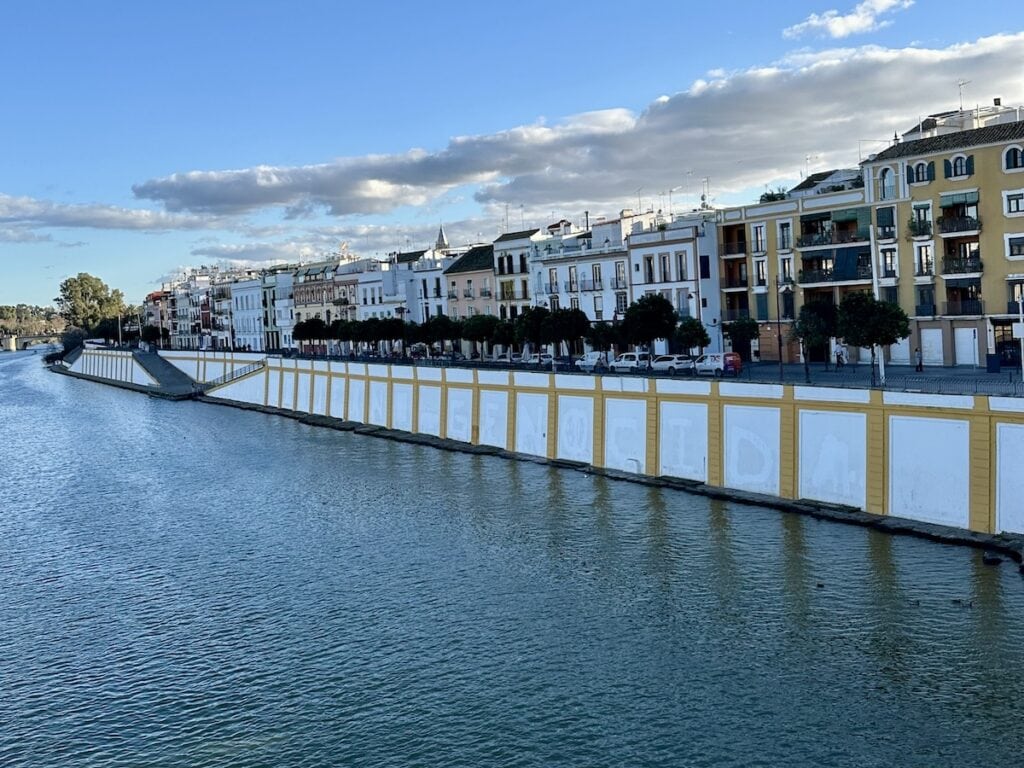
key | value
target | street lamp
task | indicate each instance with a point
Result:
(780, 287)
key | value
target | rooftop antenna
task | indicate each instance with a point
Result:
(638, 205)
(960, 86)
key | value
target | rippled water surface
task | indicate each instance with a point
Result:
(190, 585)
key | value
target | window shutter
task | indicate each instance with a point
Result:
(970, 165)
(931, 171)
(947, 168)
(910, 174)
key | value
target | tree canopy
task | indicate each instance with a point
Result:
(691, 333)
(864, 321)
(650, 317)
(85, 300)
(815, 325)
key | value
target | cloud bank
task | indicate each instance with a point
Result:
(743, 129)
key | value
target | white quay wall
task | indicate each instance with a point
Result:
(948, 460)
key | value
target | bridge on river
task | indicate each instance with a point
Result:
(12, 343)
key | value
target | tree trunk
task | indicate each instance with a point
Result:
(807, 362)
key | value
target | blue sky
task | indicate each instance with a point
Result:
(139, 138)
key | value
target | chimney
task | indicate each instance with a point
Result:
(998, 102)
(586, 219)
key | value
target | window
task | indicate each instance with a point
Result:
(705, 267)
(785, 236)
(887, 184)
(761, 303)
(554, 303)
(1016, 246)
(595, 270)
(786, 268)
(890, 293)
(598, 307)
(961, 165)
(761, 271)
(1015, 202)
(522, 263)
(648, 269)
(620, 303)
(924, 263)
(1013, 160)
(888, 262)
(664, 267)
(573, 285)
(680, 265)
(760, 243)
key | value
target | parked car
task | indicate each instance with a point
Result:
(508, 358)
(629, 361)
(592, 361)
(543, 360)
(673, 364)
(719, 363)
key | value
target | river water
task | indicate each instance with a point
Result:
(184, 584)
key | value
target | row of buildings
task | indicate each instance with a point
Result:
(935, 223)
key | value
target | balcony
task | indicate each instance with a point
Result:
(452, 294)
(919, 228)
(511, 294)
(572, 286)
(862, 272)
(727, 250)
(834, 237)
(485, 293)
(591, 285)
(924, 310)
(467, 293)
(1013, 307)
(619, 283)
(551, 288)
(886, 232)
(925, 270)
(735, 281)
(964, 307)
(961, 266)
(729, 315)
(949, 225)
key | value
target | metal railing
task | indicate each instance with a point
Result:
(962, 266)
(919, 228)
(732, 249)
(728, 315)
(735, 281)
(591, 285)
(237, 373)
(964, 307)
(951, 224)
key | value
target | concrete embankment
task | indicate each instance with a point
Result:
(941, 467)
(1010, 546)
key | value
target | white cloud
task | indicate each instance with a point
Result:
(25, 213)
(865, 17)
(744, 130)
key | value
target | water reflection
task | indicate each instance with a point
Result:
(186, 585)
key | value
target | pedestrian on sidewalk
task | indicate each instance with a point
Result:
(918, 359)
(840, 358)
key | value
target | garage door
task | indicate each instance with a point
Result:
(966, 342)
(931, 346)
(900, 352)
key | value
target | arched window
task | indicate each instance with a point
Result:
(960, 166)
(1014, 158)
(887, 184)
(921, 172)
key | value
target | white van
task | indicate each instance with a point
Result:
(591, 361)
